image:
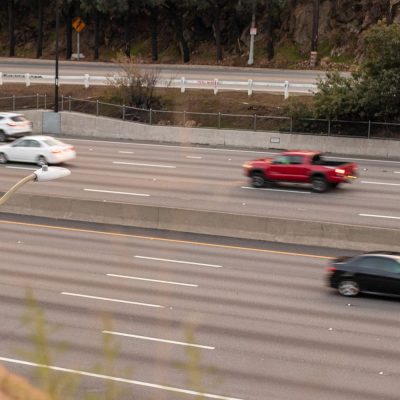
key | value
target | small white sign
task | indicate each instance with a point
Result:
(253, 31)
(275, 140)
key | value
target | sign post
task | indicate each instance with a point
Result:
(78, 25)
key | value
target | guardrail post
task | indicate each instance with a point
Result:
(97, 108)
(369, 129)
(69, 104)
(250, 89)
(255, 122)
(1, 78)
(150, 117)
(329, 127)
(219, 120)
(183, 84)
(291, 124)
(86, 81)
(45, 101)
(37, 101)
(13, 102)
(215, 85)
(123, 112)
(27, 79)
(286, 86)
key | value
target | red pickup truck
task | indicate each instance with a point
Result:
(300, 167)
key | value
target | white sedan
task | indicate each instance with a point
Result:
(37, 149)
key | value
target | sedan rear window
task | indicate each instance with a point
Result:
(18, 118)
(52, 142)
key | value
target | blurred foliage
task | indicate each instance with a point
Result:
(373, 92)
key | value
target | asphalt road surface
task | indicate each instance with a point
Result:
(251, 321)
(71, 68)
(212, 179)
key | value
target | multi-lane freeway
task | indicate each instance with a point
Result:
(212, 179)
(193, 317)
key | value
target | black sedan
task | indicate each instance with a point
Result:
(375, 272)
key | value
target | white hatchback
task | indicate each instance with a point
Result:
(14, 126)
(37, 149)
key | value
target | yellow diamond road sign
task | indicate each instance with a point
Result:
(78, 24)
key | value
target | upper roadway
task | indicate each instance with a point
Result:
(212, 179)
(234, 319)
(71, 68)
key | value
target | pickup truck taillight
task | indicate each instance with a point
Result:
(330, 269)
(340, 171)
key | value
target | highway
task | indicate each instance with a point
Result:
(71, 68)
(212, 179)
(253, 320)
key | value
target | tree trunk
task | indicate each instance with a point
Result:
(127, 35)
(39, 44)
(217, 32)
(315, 26)
(154, 33)
(96, 34)
(68, 31)
(11, 27)
(177, 19)
(269, 29)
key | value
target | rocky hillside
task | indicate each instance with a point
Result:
(208, 31)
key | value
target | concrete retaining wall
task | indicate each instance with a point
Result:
(83, 125)
(205, 222)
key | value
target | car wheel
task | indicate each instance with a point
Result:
(3, 137)
(258, 180)
(41, 161)
(3, 158)
(349, 288)
(319, 184)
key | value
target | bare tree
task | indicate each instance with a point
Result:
(134, 86)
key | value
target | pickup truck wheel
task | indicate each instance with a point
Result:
(319, 184)
(258, 180)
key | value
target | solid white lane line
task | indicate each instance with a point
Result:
(112, 192)
(144, 165)
(152, 280)
(276, 190)
(112, 300)
(227, 150)
(381, 183)
(172, 146)
(397, 172)
(195, 157)
(378, 216)
(159, 340)
(28, 168)
(179, 262)
(117, 379)
(126, 152)
(363, 159)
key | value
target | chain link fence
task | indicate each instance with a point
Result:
(216, 120)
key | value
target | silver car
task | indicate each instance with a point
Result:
(13, 125)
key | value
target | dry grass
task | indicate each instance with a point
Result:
(229, 102)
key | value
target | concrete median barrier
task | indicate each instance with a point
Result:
(205, 222)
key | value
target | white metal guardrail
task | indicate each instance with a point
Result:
(211, 84)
